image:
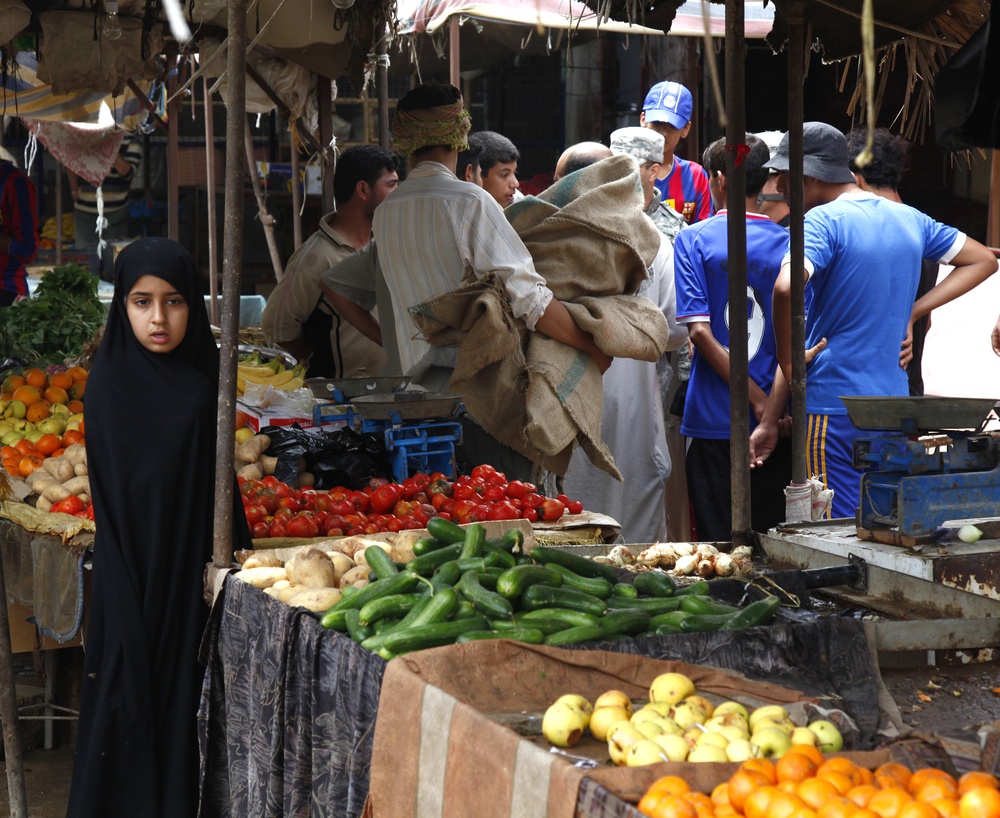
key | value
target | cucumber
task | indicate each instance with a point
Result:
(335, 619)
(426, 565)
(464, 610)
(381, 563)
(394, 605)
(527, 635)
(400, 584)
(699, 588)
(487, 602)
(488, 577)
(671, 619)
(756, 613)
(569, 618)
(667, 629)
(546, 626)
(427, 544)
(544, 596)
(385, 624)
(422, 637)
(475, 536)
(512, 541)
(625, 590)
(427, 611)
(471, 564)
(624, 621)
(697, 623)
(572, 636)
(445, 530)
(651, 605)
(654, 583)
(358, 632)
(706, 605)
(494, 555)
(583, 566)
(595, 586)
(513, 582)
(446, 575)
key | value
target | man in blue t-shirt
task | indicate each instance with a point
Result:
(862, 261)
(701, 275)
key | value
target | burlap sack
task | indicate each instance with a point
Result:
(591, 241)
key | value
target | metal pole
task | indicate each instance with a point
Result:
(296, 199)
(173, 153)
(796, 69)
(736, 204)
(232, 269)
(213, 253)
(324, 101)
(8, 713)
(382, 79)
(454, 55)
(59, 213)
(993, 211)
(266, 219)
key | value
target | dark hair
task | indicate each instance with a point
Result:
(362, 163)
(494, 149)
(469, 158)
(714, 161)
(889, 157)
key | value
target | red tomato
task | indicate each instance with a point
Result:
(421, 480)
(438, 501)
(482, 471)
(462, 491)
(291, 503)
(551, 510)
(395, 524)
(494, 493)
(517, 490)
(71, 505)
(301, 526)
(408, 488)
(502, 511)
(576, 507)
(498, 478)
(436, 487)
(562, 498)
(384, 498)
(270, 481)
(461, 509)
(267, 499)
(334, 526)
(342, 507)
(360, 501)
(420, 497)
(404, 508)
(480, 512)
(285, 490)
(530, 514)
(260, 530)
(255, 513)
(283, 514)
(277, 529)
(354, 531)
(323, 502)
(378, 482)
(532, 500)
(444, 515)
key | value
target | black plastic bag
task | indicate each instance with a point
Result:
(340, 458)
(966, 93)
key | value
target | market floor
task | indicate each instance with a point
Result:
(932, 700)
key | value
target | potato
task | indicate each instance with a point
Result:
(289, 591)
(318, 600)
(341, 564)
(262, 561)
(55, 492)
(359, 555)
(78, 485)
(314, 569)
(59, 467)
(356, 574)
(261, 577)
(402, 545)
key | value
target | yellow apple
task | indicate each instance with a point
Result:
(830, 738)
(645, 752)
(731, 707)
(670, 688)
(563, 724)
(604, 718)
(578, 701)
(741, 750)
(674, 746)
(772, 741)
(775, 712)
(614, 698)
(620, 738)
(687, 715)
(708, 752)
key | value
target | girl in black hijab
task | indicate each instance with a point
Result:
(150, 413)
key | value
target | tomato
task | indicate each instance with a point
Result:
(260, 530)
(394, 525)
(320, 517)
(445, 515)
(267, 499)
(421, 480)
(410, 524)
(270, 481)
(436, 487)
(354, 531)
(532, 500)
(517, 490)
(438, 501)
(384, 498)
(356, 520)
(420, 497)
(291, 503)
(285, 490)
(277, 529)
(502, 511)
(437, 475)
(323, 502)
(562, 498)
(255, 513)
(530, 514)
(494, 493)
(284, 514)
(498, 478)
(408, 488)
(462, 491)
(240, 480)
(71, 505)
(302, 526)
(551, 510)
(482, 471)
(360, 501)
(461, 509)
(250, 489)
(377, 482)
(404, 508)
(423, 512)
(334, 526)
(576, 507)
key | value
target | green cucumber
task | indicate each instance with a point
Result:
(427, 544)
(384, 625)
(625, 590)
(595, 586)
(756, 613)
(651, 605)
(512, 541)
(706, 605)
(400, 584)
(475, 536)
(486, 601)
(572, 636)
(394, 605)
(464, 610)
(546, 626)
(426, 565)
(513, 582)
(583, 566)
(530, 636)
(358, 632)
(569, 618)
(699, 588)
(336, 619)
(544, 596)
(698, 623)
(494, 555)
(671, 619)
(471, 564)
(422, 637)
(667, 629)
(380, 562)
(445, 530)
(624, 621)
(446, 575)
(375, 642)
(654, 583)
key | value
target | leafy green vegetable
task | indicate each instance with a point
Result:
(63, 315)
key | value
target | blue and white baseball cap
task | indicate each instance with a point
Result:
(668, 102)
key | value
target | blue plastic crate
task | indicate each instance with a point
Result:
(423, 447)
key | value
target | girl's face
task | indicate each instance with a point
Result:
(158, 314)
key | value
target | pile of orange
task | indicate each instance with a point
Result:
(38, 391)
(805, 784)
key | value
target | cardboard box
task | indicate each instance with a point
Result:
(261, 417)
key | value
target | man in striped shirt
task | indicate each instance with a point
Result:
(18, 231)
(109, 200)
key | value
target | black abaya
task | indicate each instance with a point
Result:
(151, 439)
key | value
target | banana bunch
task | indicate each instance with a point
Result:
(271, 373)
(49, 230)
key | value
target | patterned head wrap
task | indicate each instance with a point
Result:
(444, 125)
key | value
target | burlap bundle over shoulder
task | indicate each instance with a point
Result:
(592, 243)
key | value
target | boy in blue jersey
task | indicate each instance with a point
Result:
(862, 261)
(701, 274)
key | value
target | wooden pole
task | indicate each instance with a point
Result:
(173, 153)
(382, 81)
(266, 219)
(59, 212)
(324, 101)
(213, 253)
(13, 752)
(232, 270)
(296, 199)
(993, 213)
(454, 52)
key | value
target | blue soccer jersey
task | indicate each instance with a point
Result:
(701, 276)
(864, 254)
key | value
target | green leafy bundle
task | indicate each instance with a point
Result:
(54, 325)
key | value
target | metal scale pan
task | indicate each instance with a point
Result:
(351, 388)
(407, 406)
(918, 414)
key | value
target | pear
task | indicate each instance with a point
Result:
(614, 698)
(830, 738)
(60, 409)
(604, 718)
(674, 746)
(645, 752)
(663, 708)
(621, 737)
(11, 438)
(578, 701)
(52, 426)
(670, 688)
(775, 712)
(803, 735)
(785, 726)
(5, 427)
(727, 720)
(15, 409)
(650, 729)
(563, 724)
(772, 741)
(646, 713)
(734, 733)
(741, 750)
(708, 752)
(717, 739)
(731, 707)
(703, 703)
(687, 715)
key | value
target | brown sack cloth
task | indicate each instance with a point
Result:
(437, 754)
(590, 240)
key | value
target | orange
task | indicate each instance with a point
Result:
(701, 803)
(925, 774)
(720, 794)
(892, 774)
(795, 766)
(673, 806)
(29, 463)
(888, 801)
(803, 812)
(934, 789)
(742, 783)
(838, 764)
(783, 805)
(757, 802)
(77, 373)
(980, 803)
(809, 751)
(27, 395)
(36, 377)
(61, 379)
(843, 782)
(788, 786)
(75, 407)
(947, 807)
(975, 779)
(862, 794)
(838, 807)
(12, 382)
(47, 444)
(862, 775)
(918, 809)
(817, 791)
(11, 466)
(762, 765)
(77, 389)
(668, 785)
(25, 446)
(56, 394)
(38, 411)
(864, 813)
(81, 429)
